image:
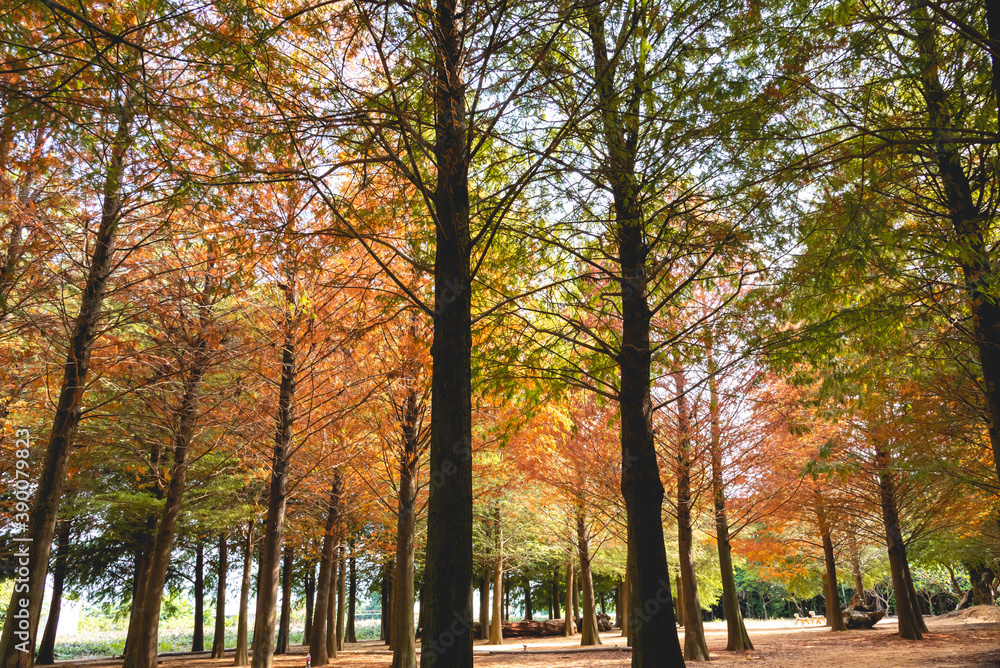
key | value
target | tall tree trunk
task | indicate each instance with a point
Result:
(446, 642)
(655, 641)
(626, 626)
(971, 226)
(737, 638)
(680, 602)
(242, 657)
(341, 598)
(569, 628)
(318, 632)
(386, 621)
(198, 637)
(16, 644)
(834, 618)
(352, 598)
(556, 614)
(911, 623)
(404, 654)
(388, 598)
(496, 627)
(484, 604)
(589, 633)
(527, 599)
(859, 583)
(277, 497)
(576, 602)
(219, 637)
(47, 648)
(695, 647)
(506, 597)
(285, 621)
(310, 587)
(141, 650)
(332, 645)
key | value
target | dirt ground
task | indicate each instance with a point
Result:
(967, 638)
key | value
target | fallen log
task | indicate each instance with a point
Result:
(542, 629)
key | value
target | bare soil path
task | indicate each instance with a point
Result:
(970, 638)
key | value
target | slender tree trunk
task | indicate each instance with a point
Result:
(484, 604)
(496, 627)
(970, 224)
(46, 650)
(569, 628)
(556, 614)
(341, 598)
(16, 644)
(285, 621)
(859, 583)
(576, 602)
(404, 653)
(242, 657)
(589, 634)
(695, 647)
(352, 598)
(911, 623)
(198, 638)
(310, 587)
(655, 641)
(390, 576)
(277, 498)
(318, 632)
(834, 617)
(446, 642)
(143, 642)
(332, 645)
(626, 602)
(219, 637)
(680, 601)
(527, 599)
(737, 638)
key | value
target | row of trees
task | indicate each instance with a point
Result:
(356, 272)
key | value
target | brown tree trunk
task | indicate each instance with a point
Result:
(310, 587)
(341, 598)
(527, 599)
(496, 626)
(859, 583)
(198, 637)
(589, 634)
(277, 497)
(484, 604)
(627, 603)
(404, 653)
(387, 600)
(970, 224)
(834, 617)
(242, 657)
(219, 637)
(737, 638)
(17, 645)
(318, 632)
(46, 650)
(332, 646)
(911, 623)
(143, 641)
(695, 648)
(569, 628)
(352, 597)
(446, 641)
(654, 641)
(285, 620)
(679, 601)
(555, 593)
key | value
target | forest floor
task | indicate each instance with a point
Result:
(967, 638)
